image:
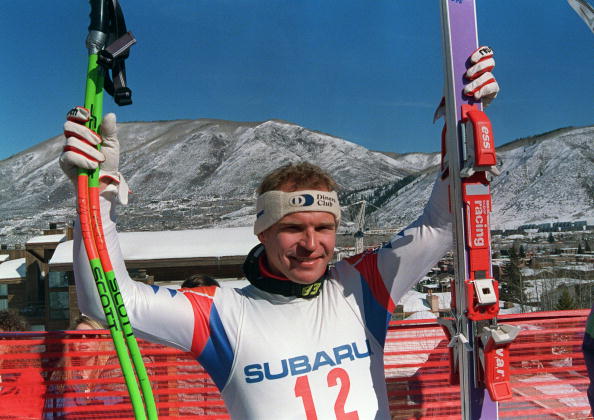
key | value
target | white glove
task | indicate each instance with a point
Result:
(482, 85)
(80, 152)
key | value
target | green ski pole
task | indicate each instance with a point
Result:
(92, 232)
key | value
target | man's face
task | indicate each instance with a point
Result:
(300, 245)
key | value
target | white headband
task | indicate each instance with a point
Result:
(274, 205)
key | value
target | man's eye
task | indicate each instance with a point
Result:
(290, 228)
(326, 229)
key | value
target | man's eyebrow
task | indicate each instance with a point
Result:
(282, 224)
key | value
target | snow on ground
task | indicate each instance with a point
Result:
(422, 315)
(516, 308)
(528, 271)
(237, 220)
(558, 388)
(535, 288)
(513, 237)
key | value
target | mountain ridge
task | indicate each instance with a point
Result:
(203, 173)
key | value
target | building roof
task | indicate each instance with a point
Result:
(174, 245)
(13, 270)
(4, 257)
(414, 301)
(47, 239)
(516, 236)
(236, 284)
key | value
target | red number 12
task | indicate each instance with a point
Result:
(303, 391)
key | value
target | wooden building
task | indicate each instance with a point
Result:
(167, 257)
(28, 286)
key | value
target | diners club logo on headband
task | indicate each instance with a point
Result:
(301, 200)
(306, 200)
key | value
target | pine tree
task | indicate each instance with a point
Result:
(513, 255)
(587, 247)
(565, 301)
(580, 250)
(522, 252)
(583, 295)
(512, 285)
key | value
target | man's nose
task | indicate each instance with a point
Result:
(308, 240)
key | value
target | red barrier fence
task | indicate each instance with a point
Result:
(59, 375)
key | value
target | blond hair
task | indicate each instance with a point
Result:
(297, 176)
(83, 319)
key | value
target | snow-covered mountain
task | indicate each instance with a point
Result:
(544, 178)
(183, 174)
(195, 173)
(415, 162)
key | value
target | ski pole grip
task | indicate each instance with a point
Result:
(99, 15)
(99, 25)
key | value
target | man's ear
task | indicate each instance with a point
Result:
(261, 238)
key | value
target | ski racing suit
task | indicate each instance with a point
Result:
(277, 357)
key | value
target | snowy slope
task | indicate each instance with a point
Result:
(187, 174)
(206, 158)
(548, 179)
(415, 162)
(183, 174)
(543, 179)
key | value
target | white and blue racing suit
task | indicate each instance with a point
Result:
(277, 357)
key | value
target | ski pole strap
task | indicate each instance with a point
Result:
(116, 51)
(112, 58)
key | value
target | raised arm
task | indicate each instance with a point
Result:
(392, 270)
(416, 249)
(389, 272)
(156, 313)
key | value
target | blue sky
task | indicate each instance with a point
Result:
(369, 71)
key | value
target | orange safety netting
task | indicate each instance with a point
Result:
(548, 374)
(61, 375)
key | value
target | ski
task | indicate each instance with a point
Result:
(479, 346)
(585, 11)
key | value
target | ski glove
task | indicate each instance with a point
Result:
(482, 84)
(80, 152)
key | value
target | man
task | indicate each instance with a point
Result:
(198, 280)
(303, 340)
